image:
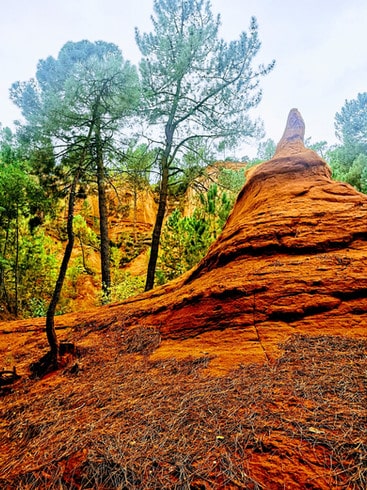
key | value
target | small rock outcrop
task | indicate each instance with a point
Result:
(293, 253)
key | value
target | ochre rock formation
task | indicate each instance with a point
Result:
(292, 255)
(291, 258)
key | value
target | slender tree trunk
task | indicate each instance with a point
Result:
(103, 221)
(85, 267)
(135, 212)
(3, 253)
(163, 194)
(16, 271)
(2, 270)
(50, 317)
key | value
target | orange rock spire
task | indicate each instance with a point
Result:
(293, 136)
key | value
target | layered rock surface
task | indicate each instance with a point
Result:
(291, 258)
(293, 253)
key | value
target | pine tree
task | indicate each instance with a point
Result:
(195, 87)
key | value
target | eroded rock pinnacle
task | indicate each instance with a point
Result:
(292, 140)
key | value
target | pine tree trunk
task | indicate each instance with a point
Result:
(3, 288)
(163, 194)
(135, 211)
(103, 222)
(50, 317)
(16, 271)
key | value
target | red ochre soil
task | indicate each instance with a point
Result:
(250, 371)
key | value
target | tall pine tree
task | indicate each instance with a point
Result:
(195, 87)
(78, 103)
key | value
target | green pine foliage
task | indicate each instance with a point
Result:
(27, 255)
(123, 284)
(186, 239)
(38, 272)
(349, 160)
(184, 242)
(349, 166)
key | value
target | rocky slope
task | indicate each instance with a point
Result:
(200, 384)
(291, 256)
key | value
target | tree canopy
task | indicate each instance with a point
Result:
(77, 103)
(351, 123)
(349, 160)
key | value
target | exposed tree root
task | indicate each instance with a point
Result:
(51, 362)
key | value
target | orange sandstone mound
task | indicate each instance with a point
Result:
(292, 257)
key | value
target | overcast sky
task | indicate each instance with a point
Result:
(320, 48)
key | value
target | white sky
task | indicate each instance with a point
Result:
(320, 48)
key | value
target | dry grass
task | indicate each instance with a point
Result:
(118, 420)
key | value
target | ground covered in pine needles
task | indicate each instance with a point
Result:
(118, 419)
